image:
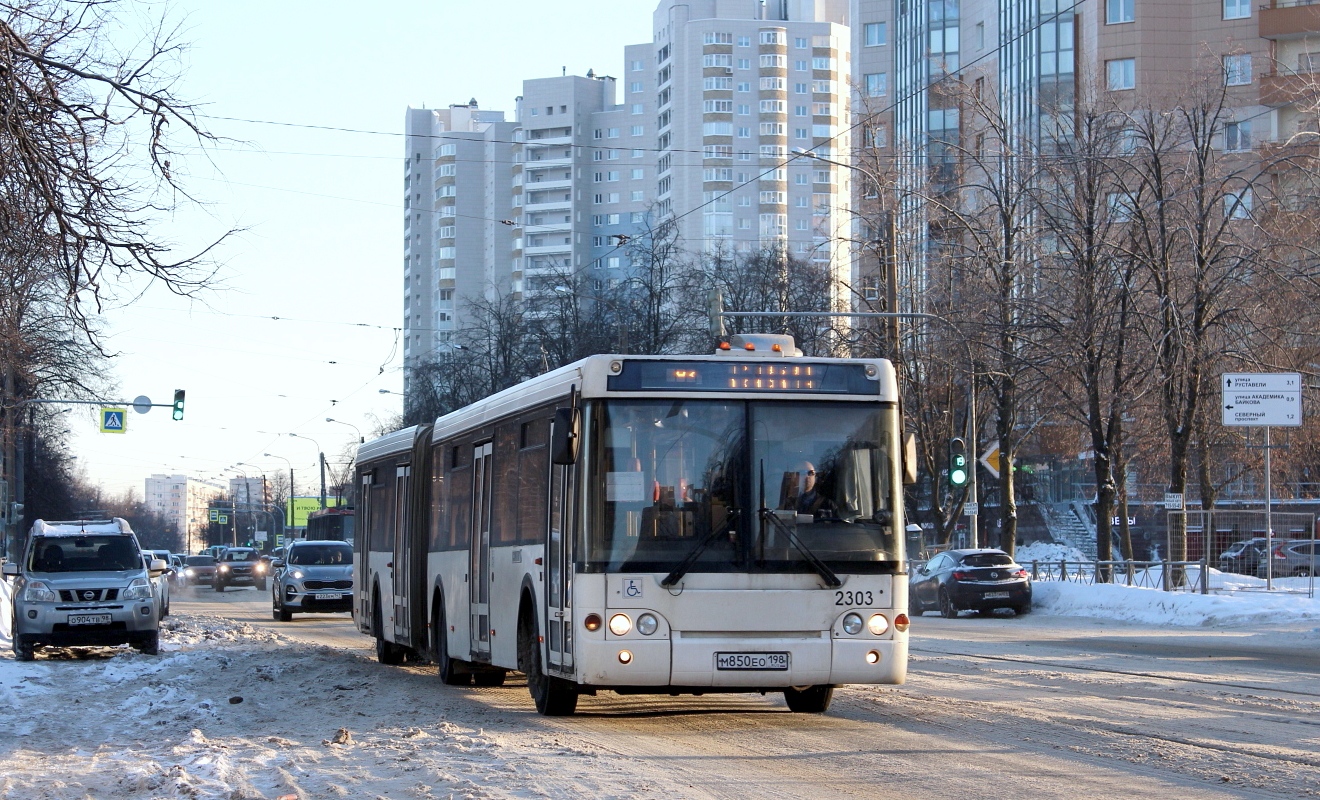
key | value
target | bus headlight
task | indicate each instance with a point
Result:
(852, 624)
(647, 624)
(877, 624)
(620, 624)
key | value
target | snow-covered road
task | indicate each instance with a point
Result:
(1039, 706)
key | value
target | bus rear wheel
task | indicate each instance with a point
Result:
(811, 700)
(386, 652)
(554, 697)
(452, 672)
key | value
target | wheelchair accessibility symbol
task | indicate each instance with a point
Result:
(632, 588)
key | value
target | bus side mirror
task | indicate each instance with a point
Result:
(568, 431)
(909, 459)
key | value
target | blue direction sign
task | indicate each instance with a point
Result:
(114, 420)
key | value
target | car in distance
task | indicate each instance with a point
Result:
(160, 580)
(237, 567)
(979, 580)
(1293, 558)
(83, 583)
(314, 576)
(198, 571)
(1243, 557)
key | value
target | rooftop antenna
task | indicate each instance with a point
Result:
(591, 73)
(563, 72)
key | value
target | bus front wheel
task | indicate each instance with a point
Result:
(809, 700)
(386, 652)
(554, 697)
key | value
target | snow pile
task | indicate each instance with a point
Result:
(1047, 551)
(1132, 604)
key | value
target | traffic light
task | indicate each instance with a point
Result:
(715, 310)
(958, 470)
(178, 404)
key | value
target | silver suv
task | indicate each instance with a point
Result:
(84, 583)
(312, 576)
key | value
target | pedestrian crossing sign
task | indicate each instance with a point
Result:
(114, 420)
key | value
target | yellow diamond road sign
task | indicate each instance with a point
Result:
(114, 420)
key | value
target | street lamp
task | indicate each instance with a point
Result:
(288, 503)
(321, 455)
(361, 438)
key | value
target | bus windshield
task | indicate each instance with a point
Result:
(721, 486)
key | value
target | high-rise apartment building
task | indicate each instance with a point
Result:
(457, 192)
(701, 129)
(184, 502)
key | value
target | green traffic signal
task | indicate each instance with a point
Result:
(178, 404)
(958, 472)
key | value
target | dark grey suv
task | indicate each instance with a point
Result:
(313, 576)
(237, 566)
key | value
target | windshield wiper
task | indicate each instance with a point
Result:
(822, 569)
(681, 570)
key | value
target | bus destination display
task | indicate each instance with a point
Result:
(716, 376)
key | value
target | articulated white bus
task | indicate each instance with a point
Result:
(647, 524)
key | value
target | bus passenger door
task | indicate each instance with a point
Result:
(401, 574)
(559, 573)
(479, 567)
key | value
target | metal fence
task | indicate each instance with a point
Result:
(1170, 576)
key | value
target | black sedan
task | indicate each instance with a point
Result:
(978, 580)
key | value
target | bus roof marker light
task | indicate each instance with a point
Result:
(725, 346)
(777, 348)
(749, 346)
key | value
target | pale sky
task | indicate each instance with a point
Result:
(322, 247)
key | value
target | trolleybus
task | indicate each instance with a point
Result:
(648, 524)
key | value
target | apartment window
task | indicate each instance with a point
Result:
(639, 108)
(773, 60)
(717, 129)
(611, 155)
(877, 84)
(447, 252)
(717, 174)
(1117, 11)
(638, 66)
(1237, 205)
(801, 65)
(448, 150)
(772, 84)
(744, 63)
(638, 153)
(637, 196)
(598, 134)
(744, 109)
(876, 34)
(744, 86)
(800, 88)
(825, 62)
(717, 60)
(638, 174)
(800, 133)
(717, 106)
(744, 41)
(980, 36)
(447, 232)
(879, 136)
(1237, 136)
(772, 129)
(447, 170)
(637, 217)
(800, 111)
(635, 86)
(1120, 207)
(533, 112)
(772, 198)
(716, 84)
(713, 37)
(773, 37)
(823, 110)
(744, 133)
(744, 224)
(1121, 74)
(1237, 70)
(1237, 9)
(801, 43)
(772, 106)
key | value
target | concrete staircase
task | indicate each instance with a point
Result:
(1071, 528)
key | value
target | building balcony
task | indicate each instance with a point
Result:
(549, 205)
(557, 183)
(548, 141)
(1289, 19)
(544, 163)
(548, 249)
(1287, 88)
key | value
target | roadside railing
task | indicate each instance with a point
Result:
(1170, 576)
